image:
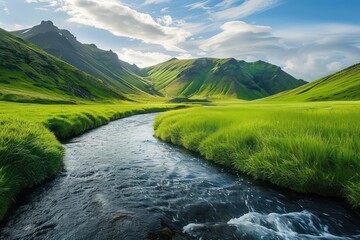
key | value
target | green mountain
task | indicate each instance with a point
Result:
(28, 74)
(343, 85)
(102, 64)
(219, 78)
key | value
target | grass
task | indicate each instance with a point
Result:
(219, 79)
(28, 74)
(341, 86)
(29, 150)
(307, 147)
(29, 155)
(101, 64)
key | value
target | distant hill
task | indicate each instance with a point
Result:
(219, 78)
(28, 74)
(196, 78)
(87, 57)
(343, 85)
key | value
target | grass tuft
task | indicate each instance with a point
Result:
(29, 154)
(305, 147)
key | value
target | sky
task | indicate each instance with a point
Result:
(307, 38)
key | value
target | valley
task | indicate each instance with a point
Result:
(249, 129)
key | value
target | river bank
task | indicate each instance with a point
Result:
(30, 150)
(307, 147)
(133, 186)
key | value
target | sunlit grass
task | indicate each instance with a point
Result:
(29, 155)
(29, 150)
(340, 86)
(308, 147)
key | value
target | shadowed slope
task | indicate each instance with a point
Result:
(28, 74)
(87, 57)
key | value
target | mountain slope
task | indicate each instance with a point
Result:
(28, 74)
(219, 78)
(87, 57)
(343, 85)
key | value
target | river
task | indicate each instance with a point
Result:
(119, 182)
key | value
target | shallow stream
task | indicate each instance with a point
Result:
(119, 182)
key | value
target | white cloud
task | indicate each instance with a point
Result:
(142, 59)
(6, 10)
(247, 8)
(311, 63)
(166, 20)
(148, 2)
(5, 7)
(121, 21)
(225, 3)
(13, 27)
(238, 36)
(51, 3)
(164, 10)
(145, 59)
(199, 5)
(316, 52)
(185, 56)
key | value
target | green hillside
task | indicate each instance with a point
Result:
(219, 78)
(87, 57)
(28, 74)
(343, 85)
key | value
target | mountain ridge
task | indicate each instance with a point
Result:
(194, 78)
(212, 77)
(89, 58)
(28, 74)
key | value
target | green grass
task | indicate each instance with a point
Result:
(307, 147)
(29, 154)
(341, 86)
(28, 74)
(29, 150)
(101, 64)
(219, 78)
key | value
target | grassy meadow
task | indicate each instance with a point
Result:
(29, 133)
(340, 86)
(307, 147)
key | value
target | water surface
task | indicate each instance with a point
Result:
(119, 182)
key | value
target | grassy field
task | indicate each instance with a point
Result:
(29, 150)
(343, 85)
(307, 147)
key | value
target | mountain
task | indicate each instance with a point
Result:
(28, 74)
(102, 64)
(343, 85)
(219, 78)
(201, 78)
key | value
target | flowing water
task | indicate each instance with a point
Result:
(119, 182)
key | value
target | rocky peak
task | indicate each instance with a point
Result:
(45, 26)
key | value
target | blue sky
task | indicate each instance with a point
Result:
(307, 38)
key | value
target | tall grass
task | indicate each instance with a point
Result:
(29, 150)
(306, 147)
(29, 155)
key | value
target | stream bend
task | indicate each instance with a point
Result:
(119, 182)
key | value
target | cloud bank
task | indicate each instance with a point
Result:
(122, 21)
